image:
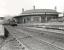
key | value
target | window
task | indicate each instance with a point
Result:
(36, 19)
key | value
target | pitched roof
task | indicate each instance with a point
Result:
(39, 11)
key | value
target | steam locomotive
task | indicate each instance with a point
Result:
(12, 22)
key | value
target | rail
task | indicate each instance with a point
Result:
(12, 32)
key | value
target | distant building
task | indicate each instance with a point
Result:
(37, 15)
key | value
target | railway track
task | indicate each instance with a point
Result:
(47, 36)
(29, 38)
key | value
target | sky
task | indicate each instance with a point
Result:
(14, 7)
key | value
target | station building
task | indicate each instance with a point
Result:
(37, 15)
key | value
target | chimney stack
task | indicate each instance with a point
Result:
(22, 10)
(55, 8)
(34, 7)
(63, 13)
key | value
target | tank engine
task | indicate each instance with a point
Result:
(12, 22)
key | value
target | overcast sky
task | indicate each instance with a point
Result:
(14, 7)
